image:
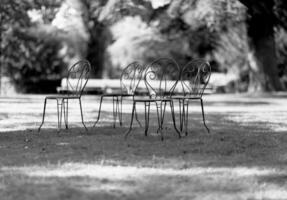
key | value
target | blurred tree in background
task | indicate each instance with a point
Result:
(30, 60)
(263, 17)
(243, 39)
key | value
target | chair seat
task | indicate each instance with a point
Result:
(117, 95)
(63, 97)
(153, 100)
(79, 71)
(184, 97)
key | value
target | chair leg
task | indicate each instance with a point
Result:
(185, 114)
(173, 118)
(203, 116)
(147, 112)
(66, 111)
(162, 112)
(132, 118)
(136, 115)
(59, 113)
(137, 118)
(82, 117)
(99, 114)
(181, 111)
(120, 111)
(159, 118)
(43, 115)
(115, 110)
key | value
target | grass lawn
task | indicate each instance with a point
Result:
(244, 156)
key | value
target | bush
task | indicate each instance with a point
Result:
(32, 64)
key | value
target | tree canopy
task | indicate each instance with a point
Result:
(243, 38)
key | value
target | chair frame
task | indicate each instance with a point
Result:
(129, 81)
(82, 69)
(195, 76)
(160, 95)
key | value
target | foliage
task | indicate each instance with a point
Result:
(281, 35)
(34, 61)
(264, 19)
(281, 41)
(124, 31)
(210, 29)
(26, 59)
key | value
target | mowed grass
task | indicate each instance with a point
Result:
(243, 157)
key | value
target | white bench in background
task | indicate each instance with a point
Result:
(110, 85)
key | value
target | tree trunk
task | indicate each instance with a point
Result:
(263, 74)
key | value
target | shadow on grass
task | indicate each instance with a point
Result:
(229, 144)
(237, 160)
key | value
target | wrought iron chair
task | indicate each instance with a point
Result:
(160, 78)
(129, 81)
(195, 76)
(77, 78)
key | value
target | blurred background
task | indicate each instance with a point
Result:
(244, 40)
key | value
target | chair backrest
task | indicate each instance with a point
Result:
(130, 78)
(195, 76)
(78, 76)
(161, 77)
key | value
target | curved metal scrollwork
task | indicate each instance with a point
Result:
(78, 72)
(195, 77)
(131, 77)
(76, 80)
(161, 77)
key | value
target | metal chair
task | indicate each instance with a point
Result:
(77, 78)
(129, 81)
(160, 78)
(195, 76)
